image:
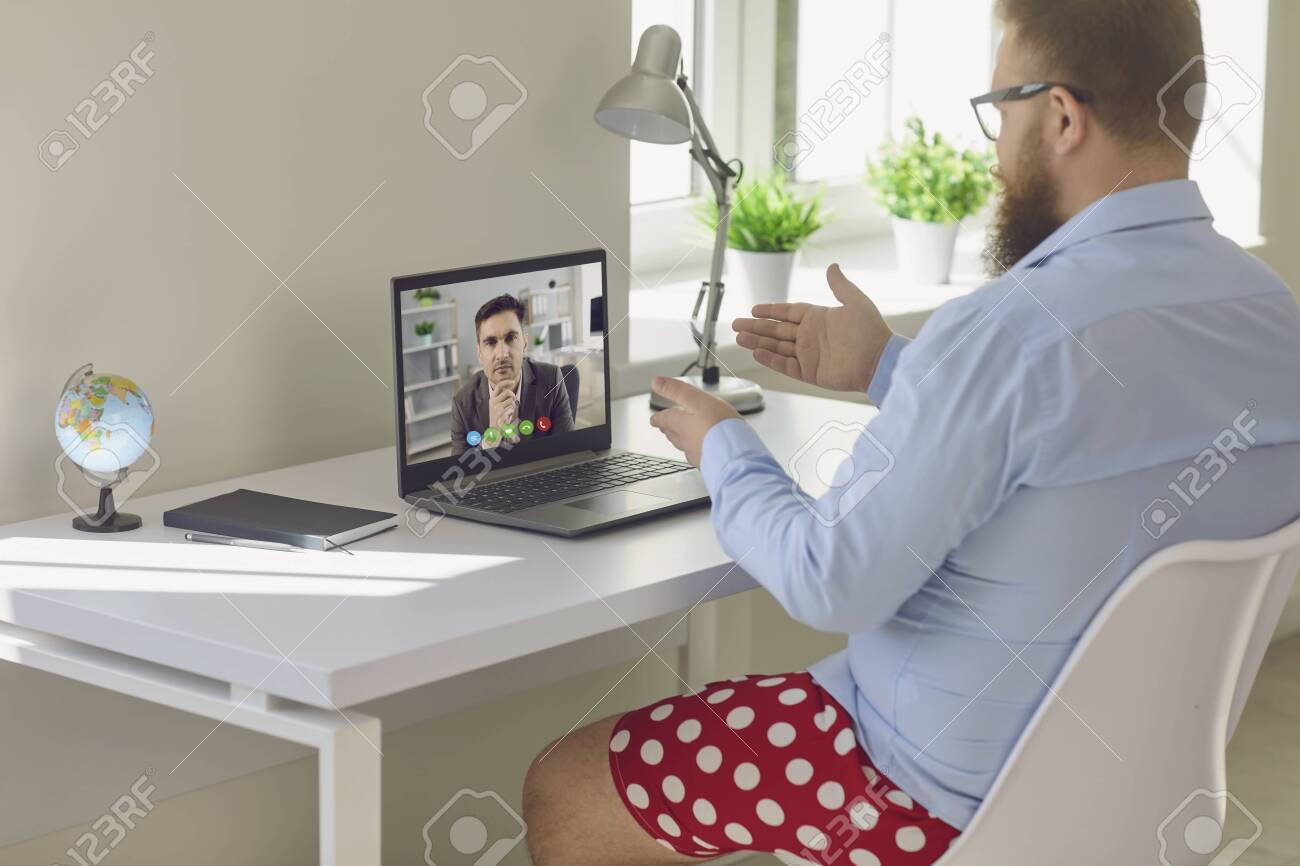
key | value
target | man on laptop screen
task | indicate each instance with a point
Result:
(510, 387)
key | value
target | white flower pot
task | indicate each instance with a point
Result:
(757, 278)
(925, 249)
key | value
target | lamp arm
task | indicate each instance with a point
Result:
(703, 147)
(721, 177)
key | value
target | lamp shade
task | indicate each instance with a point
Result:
(646, 104)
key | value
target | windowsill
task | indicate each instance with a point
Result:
(660, 338)
(666, 234)
(659, 305)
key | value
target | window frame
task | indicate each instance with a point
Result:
(698, 83)
(740, 111)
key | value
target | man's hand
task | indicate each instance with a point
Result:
(694, 415)
(833, 347)
(502, 408)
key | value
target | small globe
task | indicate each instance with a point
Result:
(103, 422)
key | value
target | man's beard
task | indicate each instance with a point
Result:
(1026, 213)
(506, 377)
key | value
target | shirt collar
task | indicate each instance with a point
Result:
(1165, 201)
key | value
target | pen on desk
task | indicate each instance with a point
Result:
(204, 538)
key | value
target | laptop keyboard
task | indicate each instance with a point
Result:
(553, 485)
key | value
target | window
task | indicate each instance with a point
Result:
(663, 171)
(836, 77)
(936, 70)
(833, 120)
(1228, 152)
(861, 69)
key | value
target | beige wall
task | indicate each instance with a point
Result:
(1280, 175)
(283, 117)
(269, 817)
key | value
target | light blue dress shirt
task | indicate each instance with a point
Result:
(1131, 383)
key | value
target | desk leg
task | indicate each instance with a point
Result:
(719, 643)
(350, 768)
(349, 747)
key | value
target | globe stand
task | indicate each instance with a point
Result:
(107, 518)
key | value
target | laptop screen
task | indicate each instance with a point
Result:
(500, 364)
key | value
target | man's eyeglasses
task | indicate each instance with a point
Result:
(986, 110)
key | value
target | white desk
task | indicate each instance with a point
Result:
(207, 629)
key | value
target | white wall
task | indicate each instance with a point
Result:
(283, 117)
(269, 817)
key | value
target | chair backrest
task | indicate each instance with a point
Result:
(569, 372)
(1141, 713)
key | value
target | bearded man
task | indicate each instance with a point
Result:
(1034, 443)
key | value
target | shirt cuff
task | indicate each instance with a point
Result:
(726, 441)
(879, 385)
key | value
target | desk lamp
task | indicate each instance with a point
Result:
(654, 103)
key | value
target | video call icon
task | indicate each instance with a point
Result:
(492, 435)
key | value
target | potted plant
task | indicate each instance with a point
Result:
(539, 340)
(770, 221)
(424, 330)
(928, 186)
(426, 297)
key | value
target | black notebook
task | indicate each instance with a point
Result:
(267, 517)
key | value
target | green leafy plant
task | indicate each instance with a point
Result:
(539, 340)
(425, 328)
(930, 180)
(767, 215)
(426, 297)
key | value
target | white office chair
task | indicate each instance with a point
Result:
(1161, 675)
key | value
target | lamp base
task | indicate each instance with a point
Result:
(744, 395)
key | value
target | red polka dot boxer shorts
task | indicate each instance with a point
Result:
(766, 763)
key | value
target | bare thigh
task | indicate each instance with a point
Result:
(575, 817)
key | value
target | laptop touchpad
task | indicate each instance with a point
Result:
(618, 502)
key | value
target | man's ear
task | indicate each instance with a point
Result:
(1068, 121)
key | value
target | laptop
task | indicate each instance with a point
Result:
(503, 406)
